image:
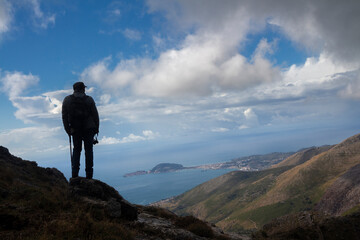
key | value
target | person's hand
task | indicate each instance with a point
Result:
(68, 131)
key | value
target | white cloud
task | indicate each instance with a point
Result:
(188, 71)
(34, 108)
(32, 139)
(237, 73)
(40, 109)
(109, 140)
(105, 99)
(352, 84)
(41, 19)
(316, 74)
(132, 138)
(322, 26)
(56, 97)
(314, 70)
(8, 10)
(111, 80)
(221, 129)
(113, 12)
(201, 66)
(205, 62)
(326, 25)
(6, 16)
(132, 34)
(158, 42)
(208, 61)
(14, 83)
(147, 135)
(251, 119)
(193, 114)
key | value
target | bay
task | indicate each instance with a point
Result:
(149, 188)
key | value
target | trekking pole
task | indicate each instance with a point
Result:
(71, 155)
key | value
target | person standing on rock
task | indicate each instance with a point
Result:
(81, 121)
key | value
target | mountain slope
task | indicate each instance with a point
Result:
(241, 200)
(311, 225)
(343, 195)
(39, 203)
(302, 156)
(216, 199)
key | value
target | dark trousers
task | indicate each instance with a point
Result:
(87, 137)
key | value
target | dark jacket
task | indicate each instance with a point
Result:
(92, 122)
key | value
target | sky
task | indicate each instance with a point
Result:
(180, 81)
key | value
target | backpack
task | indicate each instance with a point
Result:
(79, 111)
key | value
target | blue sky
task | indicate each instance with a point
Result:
(180, 81)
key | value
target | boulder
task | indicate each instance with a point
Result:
(99, 194)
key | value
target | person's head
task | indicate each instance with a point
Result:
(79, 87)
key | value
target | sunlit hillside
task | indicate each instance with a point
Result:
(248, 200)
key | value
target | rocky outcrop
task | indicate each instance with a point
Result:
(170, 226)
(95, 192)
(39, 203)
(24, 171)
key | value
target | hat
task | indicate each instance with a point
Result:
(79, 86)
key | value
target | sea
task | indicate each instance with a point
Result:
(110, 166)
(150, 188)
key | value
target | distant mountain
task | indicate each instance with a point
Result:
(39, 203)
(323, 179)
(166, 167)
(160, 168)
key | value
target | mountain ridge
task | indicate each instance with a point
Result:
(297, 184)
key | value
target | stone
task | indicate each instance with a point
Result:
(95, 192)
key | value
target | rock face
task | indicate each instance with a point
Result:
(97, 193)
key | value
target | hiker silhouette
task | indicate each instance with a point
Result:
(81, 121)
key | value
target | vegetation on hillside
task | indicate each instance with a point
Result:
(247, 200)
